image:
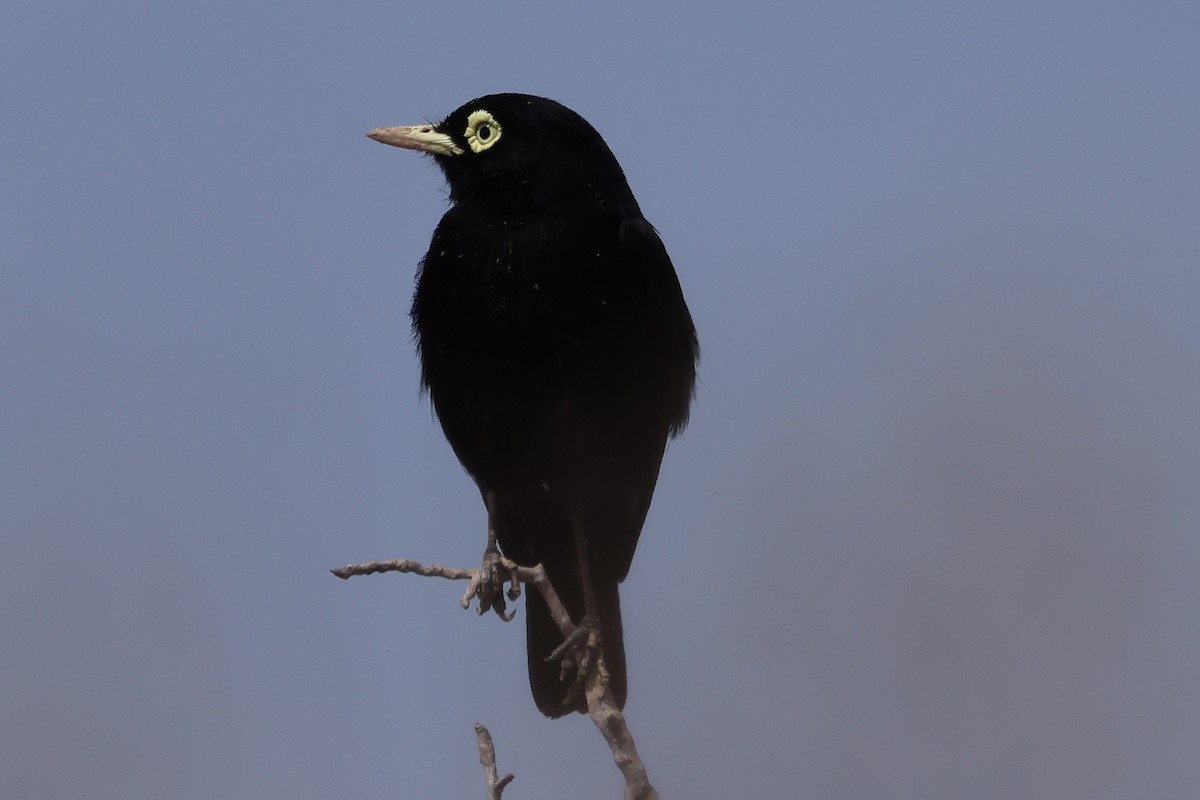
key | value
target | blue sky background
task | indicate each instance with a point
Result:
(932, 532)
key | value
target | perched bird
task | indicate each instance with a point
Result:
(558, 353)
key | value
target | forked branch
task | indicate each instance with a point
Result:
(602, 706)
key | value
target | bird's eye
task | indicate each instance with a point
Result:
(483, 131)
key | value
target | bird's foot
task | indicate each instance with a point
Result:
(488, 585)
(580, 654)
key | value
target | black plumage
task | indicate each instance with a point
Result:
(557, 350)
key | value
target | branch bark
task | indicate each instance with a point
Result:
(487, 760)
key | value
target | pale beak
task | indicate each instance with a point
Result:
(425, 138)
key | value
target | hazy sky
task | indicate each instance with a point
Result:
(932, 532)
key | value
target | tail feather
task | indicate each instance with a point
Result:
(543, 636)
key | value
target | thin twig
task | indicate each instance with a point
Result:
(403, 565)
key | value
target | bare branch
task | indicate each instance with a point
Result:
(611, 723)
(602, 706)
(487, 760)
(403, 565)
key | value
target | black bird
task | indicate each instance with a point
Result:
(558, 353)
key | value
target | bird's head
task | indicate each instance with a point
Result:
(526, 152)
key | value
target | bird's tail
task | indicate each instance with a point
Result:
(543, 636)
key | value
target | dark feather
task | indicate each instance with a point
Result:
(558, 353)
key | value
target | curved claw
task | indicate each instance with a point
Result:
(487, 585)
(576, 653)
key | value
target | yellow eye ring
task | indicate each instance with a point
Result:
(482, 131)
